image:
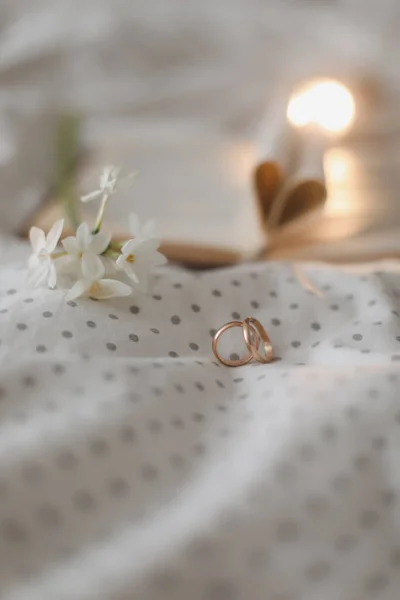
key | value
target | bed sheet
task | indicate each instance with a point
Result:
(133, 466)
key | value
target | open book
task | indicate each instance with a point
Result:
(216, 200)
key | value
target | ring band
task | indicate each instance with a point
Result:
(249, 326)
(241, 361)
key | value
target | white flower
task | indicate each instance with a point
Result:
(85, 244)
(108, 184)
(146, 232)
(92, 283)
(41, 265)
(140, 255)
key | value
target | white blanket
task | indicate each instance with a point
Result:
(133, 466)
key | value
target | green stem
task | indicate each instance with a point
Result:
(66, 150)
(100, 214)
(59, 254)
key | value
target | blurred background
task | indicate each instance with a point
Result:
(168, 72)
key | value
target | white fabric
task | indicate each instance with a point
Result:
(132, 466)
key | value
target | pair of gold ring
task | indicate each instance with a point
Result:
(254, 334)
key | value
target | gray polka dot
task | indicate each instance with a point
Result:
(345, 542)
(41, 349)
(368, 519)
(99, 447)
(199, 449)
(329, 432)
(157, 297)
(47, 314)
(67, 334)
(212, 332)
(177, 286)
(49, 516)
(193, 346)
(195, 308)
(254, 304)
(179, 388)
(110, 346)
(234, 356)
(341, 482)
(177, 461)
(318, 571)
(236, 283)
(296, 344)
(199, 386)
(22, 326)
(307, 452)
(154, 330)
(315, 326)
(275, 322)
(273, 294)
(395, 357)
(66, 460)
(217, 293)
(72, 303)
(118, 487)
(28, 300)
(357, 337)
(177, 422)
(257, 559)
(28, 381)
(84, 501)
(134, 310)
(157, 391)
(33, 473)
(389, 498)
(334, 307)
(376, 583)
(149, 472)
(221, 590)
(109, 376)
(395, 558)
(114, 317)
(58, 369)
(219, 383)
(361, 462)
(91, 324)
(155, 426)
(288, 531)
(175, 320)
(3, 311)
(128, 434)
(11, 292)
(316, 505)
(14, 531)
(294, 306)
(173, 354)
(236, 316)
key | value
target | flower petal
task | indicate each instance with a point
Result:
(54, 235)
(112, 288)
(128, 268)
(39, 275)
(83, 236)
(71, 245)
(52, 276)
(92, 267)
(80, 287)
(129, 247)
(37, 239)
(134, 225)
(99, 243)
(92, 196)
(149, 229)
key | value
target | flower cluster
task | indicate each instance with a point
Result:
(90, 261)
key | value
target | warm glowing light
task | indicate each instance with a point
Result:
(328, 104)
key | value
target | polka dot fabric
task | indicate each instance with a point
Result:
(133, 466)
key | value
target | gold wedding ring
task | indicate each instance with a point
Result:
(254, 334)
